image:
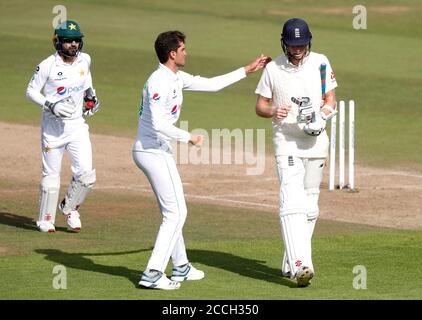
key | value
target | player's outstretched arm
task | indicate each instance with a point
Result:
(198, 83)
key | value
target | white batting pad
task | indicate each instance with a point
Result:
(77, 191)
(49, 195)
(297, 241)
(285, 268)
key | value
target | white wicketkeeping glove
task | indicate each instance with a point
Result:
(63, 108)
(317, 126)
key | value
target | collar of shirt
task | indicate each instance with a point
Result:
(170, 72)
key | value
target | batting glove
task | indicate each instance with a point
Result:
(306, 111)
(317, 126)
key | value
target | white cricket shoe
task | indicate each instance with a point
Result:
(154, 279)
(73, 220)
(46, 226)
(186, 272)
(304, 276)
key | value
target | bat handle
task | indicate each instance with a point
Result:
(323, 74)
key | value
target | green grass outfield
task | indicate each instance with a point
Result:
(240, 250)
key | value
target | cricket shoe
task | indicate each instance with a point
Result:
(304, 276)
(46, 226)
(154, 279)
(286, 274)
(186, 272)
(73, 220)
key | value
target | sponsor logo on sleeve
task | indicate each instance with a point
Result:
(35, 73)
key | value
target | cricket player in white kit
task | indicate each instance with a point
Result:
(62, 87)
(295, 93)
(160, 108)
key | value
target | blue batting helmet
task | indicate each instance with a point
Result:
(295, 33)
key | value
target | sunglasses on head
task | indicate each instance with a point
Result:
(70, 40)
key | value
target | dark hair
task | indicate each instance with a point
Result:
(166, 42)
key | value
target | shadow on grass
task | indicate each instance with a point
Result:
(255, 269)
(82, 262)
(23, 222)
(17, 221)
(251, 268)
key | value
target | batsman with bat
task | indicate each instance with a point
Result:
(160, 107)
(62, 87)
(295, 93)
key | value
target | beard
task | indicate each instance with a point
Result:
(71, 52)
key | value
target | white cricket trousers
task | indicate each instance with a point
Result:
(300, 179)
(161, 171)
(76, 142)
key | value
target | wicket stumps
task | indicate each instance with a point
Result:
(351, 154)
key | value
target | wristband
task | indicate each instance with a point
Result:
(332, 113)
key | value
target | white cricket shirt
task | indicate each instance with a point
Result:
(54, 80)
(281, 81)
(161, 103)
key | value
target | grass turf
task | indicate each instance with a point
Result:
(239, 250)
